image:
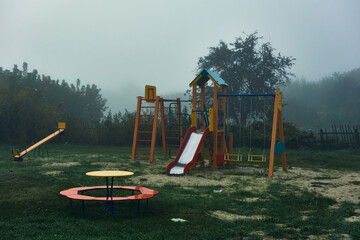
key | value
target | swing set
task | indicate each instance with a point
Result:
(275, 148)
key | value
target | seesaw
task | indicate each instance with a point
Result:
(18, 155)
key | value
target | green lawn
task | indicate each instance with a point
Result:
(250, 205)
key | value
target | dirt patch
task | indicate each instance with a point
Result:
(226, 216)
(53, 173)
(113, 165)
(355, 182)
(57, 164)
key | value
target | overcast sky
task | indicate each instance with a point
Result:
(122, 45)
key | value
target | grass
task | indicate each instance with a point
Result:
(251, 206)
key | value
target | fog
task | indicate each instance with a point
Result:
(122, 45)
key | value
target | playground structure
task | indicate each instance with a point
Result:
(18, 155)
(212, 131)
(149, 108)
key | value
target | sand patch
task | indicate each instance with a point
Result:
(339, 185)
(226, 216)
(187, 181)
(255, 199)
(342, 186)
(353, 219)
(328, 236)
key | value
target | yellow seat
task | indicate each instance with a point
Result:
(228, 157)
(256, 158)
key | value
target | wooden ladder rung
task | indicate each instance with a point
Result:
(145, 132)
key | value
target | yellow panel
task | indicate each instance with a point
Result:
(150, 93)
(61, 125)
(194, 118)
(211, 119)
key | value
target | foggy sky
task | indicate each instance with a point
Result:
(122, 45)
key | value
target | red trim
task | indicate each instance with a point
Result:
(144, 193)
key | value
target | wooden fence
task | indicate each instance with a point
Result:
(340, 136)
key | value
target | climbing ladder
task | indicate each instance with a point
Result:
(172, 127)
(146, 120)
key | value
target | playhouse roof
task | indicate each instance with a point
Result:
(207, 75)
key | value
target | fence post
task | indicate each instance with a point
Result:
(322, 137)
(356, 135)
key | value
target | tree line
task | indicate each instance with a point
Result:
(333, 100)
(31, 104)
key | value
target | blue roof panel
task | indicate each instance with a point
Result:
(203, 77)
(217, 78)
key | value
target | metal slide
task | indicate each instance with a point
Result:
(188, 152)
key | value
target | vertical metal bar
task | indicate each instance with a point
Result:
(138, 207)
(163, 127)
(83, 206)
(112, 184)
(180, 121)
(107, 187)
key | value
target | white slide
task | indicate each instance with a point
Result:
(188, 153)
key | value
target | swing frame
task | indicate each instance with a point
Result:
(277, 123)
